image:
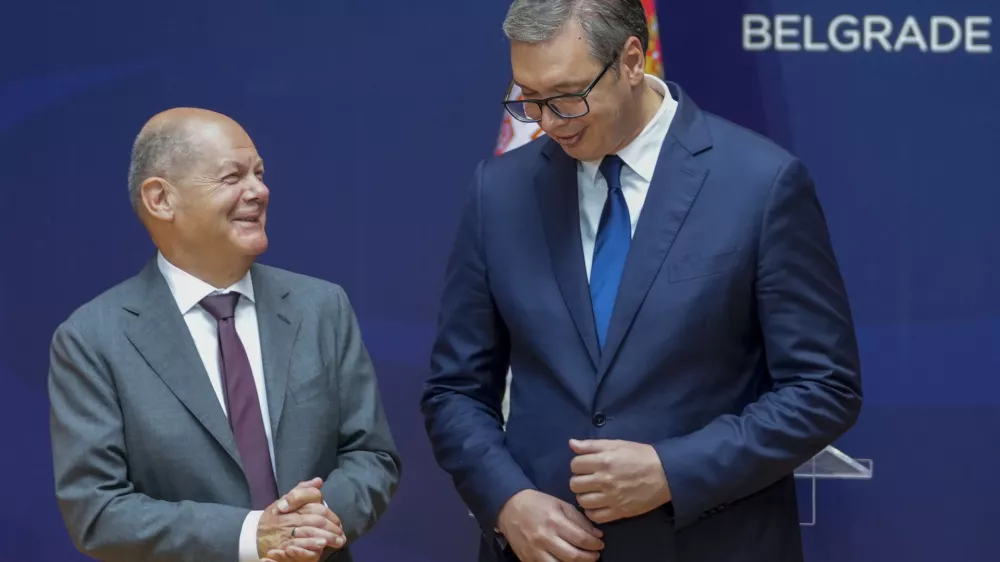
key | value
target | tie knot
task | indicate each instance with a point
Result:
(222, 307)
(611, 169)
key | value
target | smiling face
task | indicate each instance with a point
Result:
(565, 65)
(204, 202)
(221, 202)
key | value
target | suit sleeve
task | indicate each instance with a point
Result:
(369, 467)
(812, 358)
(106, 517)
(462, 398)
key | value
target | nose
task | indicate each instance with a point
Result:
(550, 120)
(257, 191)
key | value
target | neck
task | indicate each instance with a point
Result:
(649, 103)
(218, 273)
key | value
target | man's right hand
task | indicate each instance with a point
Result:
(541, 528)
(300, 511)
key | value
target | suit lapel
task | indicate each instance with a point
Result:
(278, 323)
(161, 336)
(676, 183)
(556, 187)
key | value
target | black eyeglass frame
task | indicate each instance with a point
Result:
(542, 103)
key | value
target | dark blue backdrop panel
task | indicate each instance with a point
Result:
(371, 116)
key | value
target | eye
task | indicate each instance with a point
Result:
(231, 178)
(259, 174)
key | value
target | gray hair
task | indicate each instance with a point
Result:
(163, 150)
(607, 23)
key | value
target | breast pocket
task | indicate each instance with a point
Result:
(693, 266)
(308, 387)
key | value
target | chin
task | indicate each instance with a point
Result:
(250, 239)
(585, 154)
(254, 246)
(258, 248)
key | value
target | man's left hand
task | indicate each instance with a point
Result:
(300, 548)
(615, 480)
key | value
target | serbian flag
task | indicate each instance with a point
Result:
(514, 133)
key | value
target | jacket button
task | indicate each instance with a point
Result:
(599, 419)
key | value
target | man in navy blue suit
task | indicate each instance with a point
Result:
(662, 284)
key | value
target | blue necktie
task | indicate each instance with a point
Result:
(614, 235)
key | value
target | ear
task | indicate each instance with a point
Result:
(158, 198)
(634, 61)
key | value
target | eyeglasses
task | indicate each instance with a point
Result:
(567, 106)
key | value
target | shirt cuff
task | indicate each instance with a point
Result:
(248, 537)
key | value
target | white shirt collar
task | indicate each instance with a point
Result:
(642, 153)
(188, 290)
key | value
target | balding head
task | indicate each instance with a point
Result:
(196, 181)
(168, 145)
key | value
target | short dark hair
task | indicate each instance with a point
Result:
(607, 23)
(164, 150)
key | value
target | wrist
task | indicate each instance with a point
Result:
(502, 516)
(249, 549)
(509, 506)
(662, 494)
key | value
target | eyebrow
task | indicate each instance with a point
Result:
(571, 86)
(239, 164)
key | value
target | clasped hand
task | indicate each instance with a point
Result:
(612, 480)
(298, 526)
(615, 480)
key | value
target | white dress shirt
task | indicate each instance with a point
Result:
(188, 291)
(640, 158)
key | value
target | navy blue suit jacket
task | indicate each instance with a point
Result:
(731, 347)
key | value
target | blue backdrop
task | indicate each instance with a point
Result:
(371, 116)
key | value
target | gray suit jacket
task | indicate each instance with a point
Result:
(146, 466)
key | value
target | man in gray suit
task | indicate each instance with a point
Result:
(187, 397)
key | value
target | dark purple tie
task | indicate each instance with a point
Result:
(241, 401)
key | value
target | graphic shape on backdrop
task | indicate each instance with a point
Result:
(830, 463)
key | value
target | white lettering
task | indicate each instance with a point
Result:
(956, 34)
(910, 34)
(878, 28)
(808, 33)
(756, 26)
(971, 34)
(783, 31)
(849, 33)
